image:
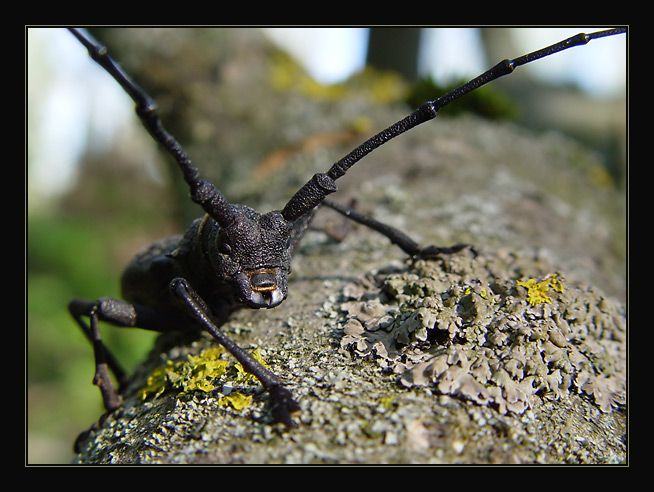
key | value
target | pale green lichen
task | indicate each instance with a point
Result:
(202, 373)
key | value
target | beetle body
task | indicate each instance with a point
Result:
(245, 264)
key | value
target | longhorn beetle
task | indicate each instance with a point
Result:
(234, 256)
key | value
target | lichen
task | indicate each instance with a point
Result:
(537, 292)
(379, 86)
(480, 336)
(203, 373)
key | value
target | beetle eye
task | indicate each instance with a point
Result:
(223, 247)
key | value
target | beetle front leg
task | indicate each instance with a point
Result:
(281, 400)
(104, 359)
(121, 314)
(102, 379)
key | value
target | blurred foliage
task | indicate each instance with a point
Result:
(77, 246)
(57, 273)
(487, 101)
(68, 258)
(377, 86)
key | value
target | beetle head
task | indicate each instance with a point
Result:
(252, 253)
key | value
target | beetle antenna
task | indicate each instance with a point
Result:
(203, 192)
(321, 185)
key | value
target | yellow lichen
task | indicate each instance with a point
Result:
(246, 377)
(537, 292)
(237, 401)
(156, 382)
(387, 401)
(202, 373)
(384, 87)
(287, 75)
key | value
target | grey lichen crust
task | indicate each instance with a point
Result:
(457, 367)
(507, 342)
